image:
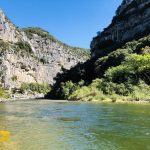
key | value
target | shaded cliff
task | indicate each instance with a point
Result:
(132, 21)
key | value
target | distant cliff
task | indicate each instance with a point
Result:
(32, 55)
(132, 21)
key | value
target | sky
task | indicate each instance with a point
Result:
(74, 22)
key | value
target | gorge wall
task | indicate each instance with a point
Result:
(32, 55)
(132, 21)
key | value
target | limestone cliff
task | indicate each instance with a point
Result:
(132, 21)
(32, 55)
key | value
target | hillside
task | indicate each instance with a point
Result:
(117, 71)
(32, 57)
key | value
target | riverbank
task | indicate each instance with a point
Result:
(124, 102)
(22, 97)
(69, 101)
(17, 100)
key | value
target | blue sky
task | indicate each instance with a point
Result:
(74, 22)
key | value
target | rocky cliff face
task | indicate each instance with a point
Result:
(132, 21)
(32, 55)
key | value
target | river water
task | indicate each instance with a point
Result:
(47, 125)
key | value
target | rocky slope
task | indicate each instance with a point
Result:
(132, 21)
(32, 55)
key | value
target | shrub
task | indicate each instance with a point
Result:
(3, 46)
(113, 59)
(69, 87)
(14, 78)
(141, 92)
(145, 50)
(114, 88)
(116, 57)
(101, 90)
(3, 93)
(43, 60)
(35, 87)
(135, 67)
(87, 93)
(24, 46)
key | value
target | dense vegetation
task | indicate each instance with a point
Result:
(123, 74)
(35, 88)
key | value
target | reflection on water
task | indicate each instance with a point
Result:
(46, 125)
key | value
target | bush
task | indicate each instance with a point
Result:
(135, 68)
(35, 87)
(138, 46)
(14, 78)
(113, 59)
(116, 57)
(101, 90)
(114, 88)
(3, 93)
(43, 60)
(24, 46)
(87, 93)
(69, 87)
(145, 50)
(141, 92)
(3, 46)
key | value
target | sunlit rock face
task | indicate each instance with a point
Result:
(8, 31)
(34, 59)
(132, 20)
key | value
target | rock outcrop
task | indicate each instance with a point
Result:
(32, 55)
(132, 21)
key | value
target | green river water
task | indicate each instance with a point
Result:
(47, 125)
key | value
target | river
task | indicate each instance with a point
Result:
(48, 125)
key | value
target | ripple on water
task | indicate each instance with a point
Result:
(73, 126)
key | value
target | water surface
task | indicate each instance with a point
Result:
(46, 125)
